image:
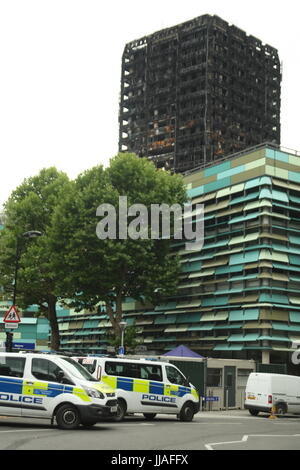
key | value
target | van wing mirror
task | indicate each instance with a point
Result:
(60, 376)
(63, 379)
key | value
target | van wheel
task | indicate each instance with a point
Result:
(253, 412)
(281, 409)
(67, 417)
(149, 416)
(187, 412)
(121, 410)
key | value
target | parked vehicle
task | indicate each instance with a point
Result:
(145, 386)
(280, 391)
(53, 387)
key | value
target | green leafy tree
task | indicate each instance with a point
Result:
(130, 339)
(110, 270)
(30, 207)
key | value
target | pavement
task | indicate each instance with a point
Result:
(241, 413)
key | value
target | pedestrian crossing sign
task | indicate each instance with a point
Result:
(12, 316)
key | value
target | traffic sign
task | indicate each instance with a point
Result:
(22, 345)
(11, 325)
(12, 316)
(210, 398)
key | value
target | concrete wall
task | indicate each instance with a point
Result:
(242, 367)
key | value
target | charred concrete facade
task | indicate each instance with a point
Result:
(196, 92)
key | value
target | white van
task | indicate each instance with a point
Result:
(52, 386)
(263, 391)
(145, 386)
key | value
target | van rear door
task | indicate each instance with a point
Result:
(259, 391)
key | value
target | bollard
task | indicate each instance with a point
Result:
(273, 411)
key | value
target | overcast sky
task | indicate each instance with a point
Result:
(61, 65)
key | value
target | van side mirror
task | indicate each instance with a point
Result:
(62, 379)
(187, 382)
(60, 376)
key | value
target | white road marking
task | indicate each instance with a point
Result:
(245, 439)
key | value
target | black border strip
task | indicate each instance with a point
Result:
(164, 405)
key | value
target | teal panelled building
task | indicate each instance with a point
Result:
(247, 276)
(239, 297)
(32, 331)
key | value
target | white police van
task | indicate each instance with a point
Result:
(34, 385)
(145, 386)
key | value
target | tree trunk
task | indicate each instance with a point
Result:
(115, 317)
(55, 340)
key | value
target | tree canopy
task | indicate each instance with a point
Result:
(70, 261)
(30, 207)
(109, 270)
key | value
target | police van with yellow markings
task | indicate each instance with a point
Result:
(53, 387)
(145, 386)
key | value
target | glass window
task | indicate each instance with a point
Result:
(214, 377)
(77, 370)
(114, 368)
(229, 379)
(175, 377)
(88, 364)
(137, 371)
(123, 369)
(43, 369)
(149, 372)
(132, 370)
(12, 366)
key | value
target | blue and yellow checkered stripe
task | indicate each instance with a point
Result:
(8, 385)
(147, 386)
(46, 389)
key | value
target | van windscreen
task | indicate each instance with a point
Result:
(77, 369)
(88, 363)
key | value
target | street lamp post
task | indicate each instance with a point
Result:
(29, 234)
(123, 325)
